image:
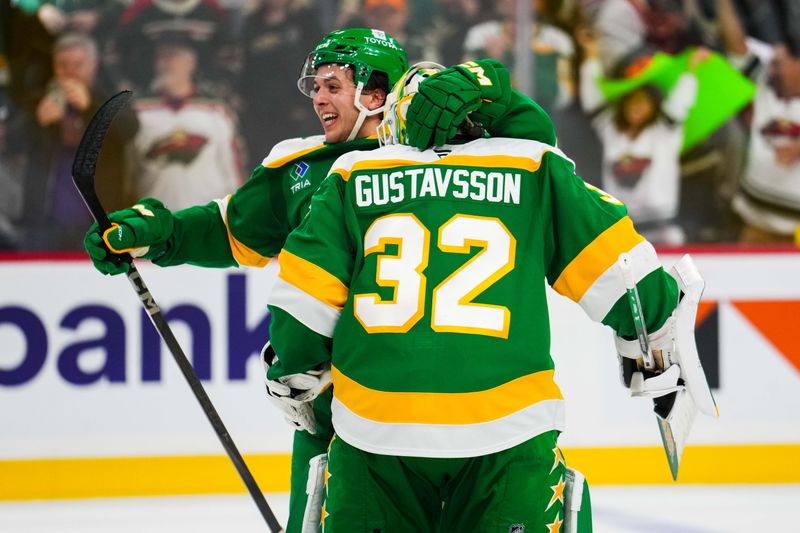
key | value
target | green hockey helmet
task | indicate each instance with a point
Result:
(365, 51)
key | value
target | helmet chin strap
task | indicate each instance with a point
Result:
(363, 112)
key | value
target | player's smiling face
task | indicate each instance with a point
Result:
(334, 93)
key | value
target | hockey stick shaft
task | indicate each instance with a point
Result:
(636, 309)
(83, 173)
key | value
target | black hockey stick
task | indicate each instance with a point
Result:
(83, 172)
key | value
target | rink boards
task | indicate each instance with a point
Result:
(91, 403)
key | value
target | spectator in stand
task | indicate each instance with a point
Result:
(769, 197)
(187, 150)
(553, 81)
(709, 170)
(275, 37)
(642, 135)
(73, 96)
(130, 51)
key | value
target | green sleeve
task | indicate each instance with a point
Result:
(588, 227)
(658, 292)
(325, 253)
(524, 119)
(257, 217)
(198, 238)
(298, 347)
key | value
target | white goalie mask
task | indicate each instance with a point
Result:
(392, 129)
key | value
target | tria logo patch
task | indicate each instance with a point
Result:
(300, 184)
(517, 528)
(300, 170)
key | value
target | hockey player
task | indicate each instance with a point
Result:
(416, 281)
(348, 76)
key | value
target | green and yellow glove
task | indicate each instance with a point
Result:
(480, 89)
(141, 231)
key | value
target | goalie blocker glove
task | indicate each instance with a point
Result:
(141, 230)
(674, 351)
(293, 394)
(480, 89)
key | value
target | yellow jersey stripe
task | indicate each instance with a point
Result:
(375, 164)
(484, 161)
(243, 254)
(582, 272)
(294, 155)
(312, 279)
(490, 162)
(445, 408)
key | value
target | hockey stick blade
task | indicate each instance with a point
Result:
(85, 163)
(83, 174)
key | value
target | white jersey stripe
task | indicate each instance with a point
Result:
(311, 312)
(438, 440)
(598, 300)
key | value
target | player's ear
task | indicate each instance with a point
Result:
(377, 98)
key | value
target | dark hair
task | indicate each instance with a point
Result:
(377, 80)
(654, 94)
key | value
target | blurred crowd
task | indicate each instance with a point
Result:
(686, 110)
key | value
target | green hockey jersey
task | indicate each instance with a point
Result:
(249, 227)
(421, 276)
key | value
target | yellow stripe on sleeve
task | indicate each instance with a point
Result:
(596, 258)
(312, 279)
(243, 254)
(294, 155)
(445, 408)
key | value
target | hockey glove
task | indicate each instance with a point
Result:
(294, 394)
(480, 89)
(660, 381)
(141, 231)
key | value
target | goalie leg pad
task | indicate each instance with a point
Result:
(315, 490)
(577, 505)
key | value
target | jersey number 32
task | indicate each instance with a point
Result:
(452, 306)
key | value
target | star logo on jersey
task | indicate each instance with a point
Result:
(555, 526)
(558, 459)
(323, 515)
(558, 493)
